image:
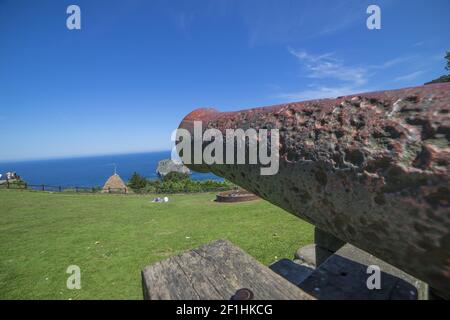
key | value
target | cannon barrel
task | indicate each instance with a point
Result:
(371, 169)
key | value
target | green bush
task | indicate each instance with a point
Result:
(176, 182)
(444, 78)
(137, 182)
(175, 177)
(14, 184)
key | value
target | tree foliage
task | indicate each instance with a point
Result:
(137, 182)
(175, 176)
(448, 61)
(176, 182)
(445, 78)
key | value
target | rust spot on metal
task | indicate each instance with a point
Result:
(371, 169)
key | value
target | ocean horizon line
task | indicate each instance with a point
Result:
(20, 160)
(91, 170)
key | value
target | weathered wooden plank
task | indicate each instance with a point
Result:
(215, 271)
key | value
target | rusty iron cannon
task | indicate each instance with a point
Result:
(370, 169)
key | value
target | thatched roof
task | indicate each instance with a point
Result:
(115, 184)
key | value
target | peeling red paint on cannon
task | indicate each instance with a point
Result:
(372, 169)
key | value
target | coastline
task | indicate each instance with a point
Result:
(90, 171)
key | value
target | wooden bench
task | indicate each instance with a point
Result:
(215, 271)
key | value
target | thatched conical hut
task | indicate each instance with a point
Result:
(115, 185)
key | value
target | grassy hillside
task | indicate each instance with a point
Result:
(112, 237)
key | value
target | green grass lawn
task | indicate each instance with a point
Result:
(112, 237)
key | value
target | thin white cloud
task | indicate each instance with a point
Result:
(392, 63)
(303, 55)
(317, 92)
(410, 76)
(326, 68)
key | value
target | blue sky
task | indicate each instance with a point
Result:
(125, 80)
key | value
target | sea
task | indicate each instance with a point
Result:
(90, 171)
